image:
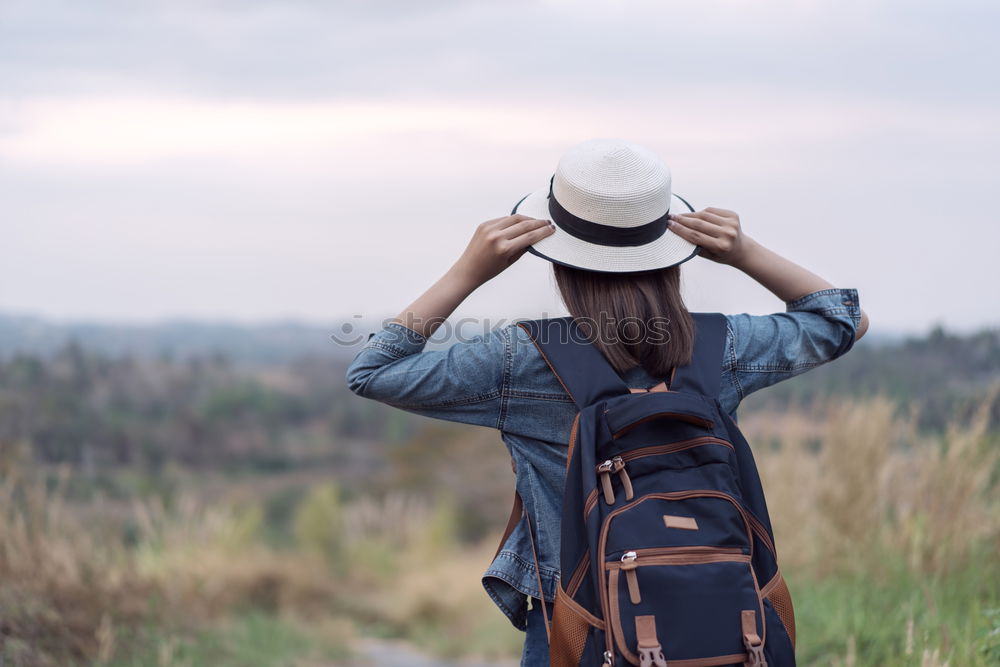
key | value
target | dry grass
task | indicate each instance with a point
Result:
(72, 592)
(853, 490)
(64, 586)
(891, 537)
(875, 490)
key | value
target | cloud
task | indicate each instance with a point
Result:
(583, 50)
(253, 159)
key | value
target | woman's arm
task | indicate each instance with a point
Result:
(722, 240)
(466, 382)
(496, 245)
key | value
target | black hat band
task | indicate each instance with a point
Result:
(605, 235)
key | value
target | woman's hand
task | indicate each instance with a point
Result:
(716, 230)
(718, 233)
(497, 244)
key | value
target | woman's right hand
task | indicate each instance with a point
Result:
(716, 230)
(497, 244)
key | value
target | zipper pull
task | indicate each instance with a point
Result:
(609, 659)
(604, 472)
(618, 465)
(628, 567)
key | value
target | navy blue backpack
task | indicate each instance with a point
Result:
(667, 554)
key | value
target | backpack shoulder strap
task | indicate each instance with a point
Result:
(704, 374)
(581, 368)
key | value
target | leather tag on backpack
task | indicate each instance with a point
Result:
(685, 522)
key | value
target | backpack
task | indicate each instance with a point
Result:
(666, 554)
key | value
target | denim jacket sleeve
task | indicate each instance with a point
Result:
(462, 383)
(765, 349)
(467, 382)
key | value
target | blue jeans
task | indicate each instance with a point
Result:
(536, 644)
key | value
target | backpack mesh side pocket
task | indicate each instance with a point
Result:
(570, 629)
(777, 593)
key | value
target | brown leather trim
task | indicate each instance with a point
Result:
(748, 623)
(609, 492)
(758, 528)
(777, 593)
(578, 575)
(516, 510)
(655, 388)
(572, 440)
(538, 580)
(572, 605)
(645, 631)
(687, 559)
(682, 522)
(626, 483)
(706, 423)
(589, 504)
(616, 621)
(633, 586)
(671, 447)
(760, 604)
(771, 585)
(710, 662)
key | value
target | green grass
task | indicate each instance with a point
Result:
(899, 619)
(251, 640)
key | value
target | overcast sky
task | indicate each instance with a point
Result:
(254, 160)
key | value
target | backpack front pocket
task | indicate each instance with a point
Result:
(695, 600)
(678, 580)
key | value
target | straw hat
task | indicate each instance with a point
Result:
(609, 200)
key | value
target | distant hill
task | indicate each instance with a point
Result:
(275, 342)
(274, 396)
(942, 371)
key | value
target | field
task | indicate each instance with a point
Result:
(165, 503)
(890, 538)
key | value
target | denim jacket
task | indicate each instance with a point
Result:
(500, 380)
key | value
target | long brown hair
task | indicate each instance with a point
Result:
(640, 317)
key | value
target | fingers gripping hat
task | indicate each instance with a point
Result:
(609, 200)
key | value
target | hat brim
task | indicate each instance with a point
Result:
(564, 248)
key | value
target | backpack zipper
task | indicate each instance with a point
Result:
(671, 447)
(680, 416)
(694, 555)
(604, 469)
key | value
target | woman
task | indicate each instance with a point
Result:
(616, 236)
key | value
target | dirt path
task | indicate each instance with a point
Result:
(387, 653)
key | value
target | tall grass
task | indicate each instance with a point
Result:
(64, 585)
(193, 577)
(889, 538)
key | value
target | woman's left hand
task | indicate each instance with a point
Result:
(716, 230)
(497, 244)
